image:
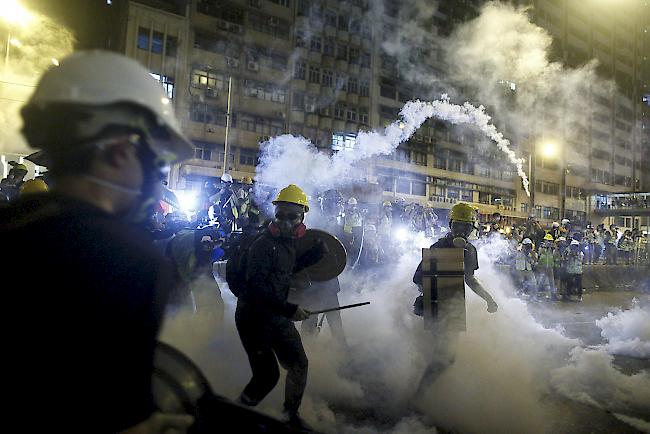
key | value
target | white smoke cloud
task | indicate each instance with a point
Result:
(628, 332)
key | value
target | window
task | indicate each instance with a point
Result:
(268, 24)
(328, 78)
(342, 141)
(419, 158)
(341, 51)
(208, 114)
(300, 39)
(354, 56)
(202, 154)
(547, 187)
(329, 47)
(299, 70)
(439, 163)
(363, 115)
(298, 102)
(330, 18)
(247, 157)
(315, 44)
(418, 188)
(284, 3)
(171, 46)
(339, 111)
(352, 114)
(314, 74)
(343, 23)
(157, 42)
(264, 90)
(209, 79)
(364, 88)
(167, 83)
(387, 90)
(353, 85)
(340, 81)
(143, 38)
(365, 60)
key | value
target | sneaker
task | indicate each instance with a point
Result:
(295, 422)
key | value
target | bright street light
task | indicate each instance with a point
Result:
(55, 61)
(549, 150)
(15, 42)
(14, 13)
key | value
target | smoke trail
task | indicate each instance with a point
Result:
(294, 160)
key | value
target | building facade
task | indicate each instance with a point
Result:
(317, 69)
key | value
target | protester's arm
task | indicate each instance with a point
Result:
(476, 286)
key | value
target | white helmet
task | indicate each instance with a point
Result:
(526, 241)
(96, 79)
(226, 177)
(565, 221)
(556, 224)
(352, 201)
(575, 242)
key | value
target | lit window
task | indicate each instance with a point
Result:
(143, 38)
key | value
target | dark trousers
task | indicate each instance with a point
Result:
(264, 338)
(594, 253)
(574, 284)
(611, 255)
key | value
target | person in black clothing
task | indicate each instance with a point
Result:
(461, 224)
(264, 317)
(81, 331)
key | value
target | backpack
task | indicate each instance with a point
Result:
(237, 262)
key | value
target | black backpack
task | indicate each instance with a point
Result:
(237, 262)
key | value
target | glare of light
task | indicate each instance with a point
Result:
(402, 125)
(13, 12)
(164, 100)
(187, 199)
(549, 149)
(402, 234)
(15, 42)
(55, 61)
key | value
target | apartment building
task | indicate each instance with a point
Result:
(316, 68)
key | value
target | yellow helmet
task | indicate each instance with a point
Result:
(293, 194)
(548, 237)
(462, 212)
(247, 180)
(387, 203)
(18, 166)
(33, 186)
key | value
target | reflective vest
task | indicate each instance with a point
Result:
(546, 257)
(523, 262)
(574, 263)
(352, 220)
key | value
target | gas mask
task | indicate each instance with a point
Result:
(288, 221)
(154, 173)
(460, 231)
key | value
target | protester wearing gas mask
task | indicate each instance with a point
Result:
(264, 317)
(96, 300)
(461, 224)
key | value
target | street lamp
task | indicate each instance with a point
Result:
(13, 14)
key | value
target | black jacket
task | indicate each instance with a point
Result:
(272, 262)
(84, 295)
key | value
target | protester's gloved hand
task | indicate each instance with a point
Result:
(300, 314)
(162, 423)
(492, 307)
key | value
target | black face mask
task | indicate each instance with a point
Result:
(153, 170)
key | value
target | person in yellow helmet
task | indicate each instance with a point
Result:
(461, 223)
(264, 318)
(32, 186)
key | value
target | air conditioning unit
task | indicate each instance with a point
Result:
(264, 139)
(418, 137)
(253, 66)
(211, 93)
(310, 108)
(232, 62)
(274, 21)
(428, 139)
(256, 3)
(279, 115)
(222, 25)
(234, 28)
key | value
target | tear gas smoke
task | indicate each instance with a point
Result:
(41, 41)
(318, 172)
(627, 332)
(509, 371)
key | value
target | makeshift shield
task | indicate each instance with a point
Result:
(333, 262)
